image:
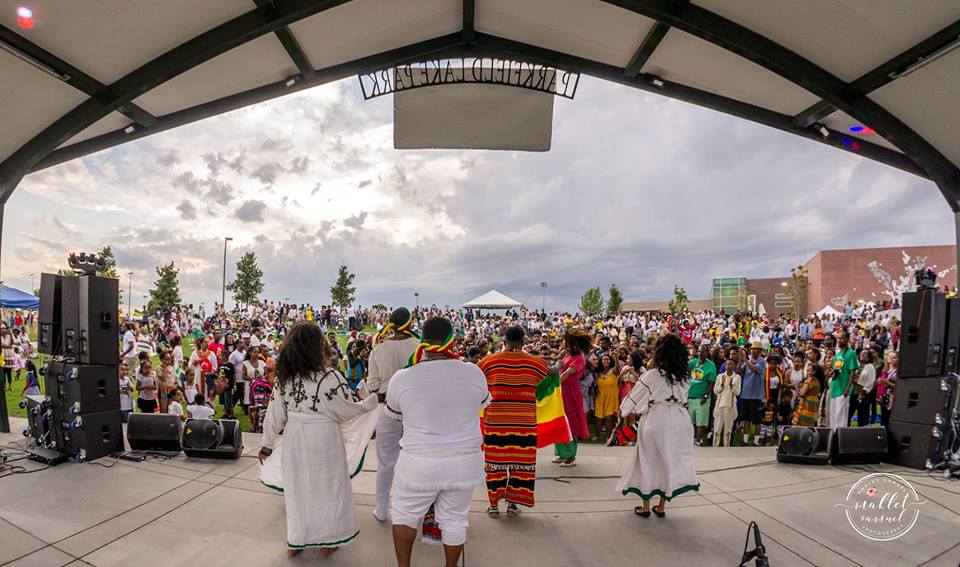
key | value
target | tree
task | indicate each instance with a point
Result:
(109, 269)
(342, 292)
(680, 302)
(66, 272)
(615, 301)
(248, 285)
(591, 302)
(796, 289)
(166, 294)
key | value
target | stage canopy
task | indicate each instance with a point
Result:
(493, 299)
(828, 310)
(11, 298)
(878, 78)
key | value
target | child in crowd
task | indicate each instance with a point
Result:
(190, 389)
(126, 392)
(32, 386)
(784, 411)
(200, 408)
(174, 407)
(767, 425)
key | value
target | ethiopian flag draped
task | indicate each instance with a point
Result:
(552, 426)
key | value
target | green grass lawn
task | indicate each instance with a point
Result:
(13, 397)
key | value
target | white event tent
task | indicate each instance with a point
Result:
(493, 299)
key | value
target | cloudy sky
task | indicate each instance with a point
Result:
(638, 190)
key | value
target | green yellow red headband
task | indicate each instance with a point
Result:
(403, 329)
(446, 349)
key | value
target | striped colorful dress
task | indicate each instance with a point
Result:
(510, 425)
(809, 405)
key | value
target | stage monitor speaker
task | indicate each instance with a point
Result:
(90, 436)
(805, 445)
(212, 438)
(924, 317)
(951, 347)
(859, 445)
(39, 418)
(70, 316)
(929, 401)
(154, 432)
(50, 315)
(82, 388)
(98, 326)
(916, 445)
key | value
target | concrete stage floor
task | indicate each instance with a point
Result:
(208, 513)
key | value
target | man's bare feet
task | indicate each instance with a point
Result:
(292, 552)
(328, 551)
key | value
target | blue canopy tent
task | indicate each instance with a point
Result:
(11, 298)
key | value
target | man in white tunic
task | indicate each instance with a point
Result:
(438, 399)
(397, 344)
(312, 405)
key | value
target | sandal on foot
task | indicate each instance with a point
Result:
(641, 512)
(493, 512)
(293, 552)
(660, 513)
(512, 510)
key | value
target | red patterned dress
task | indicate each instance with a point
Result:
(510, 425)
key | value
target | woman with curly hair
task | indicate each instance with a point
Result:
(662, 463)
(314, 408)
(577, 345)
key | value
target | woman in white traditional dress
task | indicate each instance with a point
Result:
(310, 403)
(662, 464)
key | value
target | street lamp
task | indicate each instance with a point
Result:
(129, 296)
(416, 295)
(543, 302)
(223, 290)
(33, 284)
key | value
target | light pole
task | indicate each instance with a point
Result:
(33, 283)
(416, 295)
(129, 296)
(223, 290)
(543, 301)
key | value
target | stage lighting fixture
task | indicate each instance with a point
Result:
(25, 17)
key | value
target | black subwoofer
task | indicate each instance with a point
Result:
(212, 438)
(154, 432)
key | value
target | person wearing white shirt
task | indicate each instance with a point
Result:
(866, 391)
(129, 353)
(175, 407)
(199, 409)
(126, 394)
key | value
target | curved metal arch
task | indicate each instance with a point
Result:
(769, 54)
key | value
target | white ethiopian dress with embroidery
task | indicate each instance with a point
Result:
(325, 430)
(662, 462)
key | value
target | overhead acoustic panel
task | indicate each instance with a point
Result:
(692, 61)
(846, 37)
(251, 65)
(585, 28)
(364, 27)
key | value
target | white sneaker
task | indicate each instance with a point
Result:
(380, 518)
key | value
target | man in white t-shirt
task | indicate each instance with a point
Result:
(129, 353)
(200, 411)
(236, 359)
(438, 400)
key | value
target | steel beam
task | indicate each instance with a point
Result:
(289, 42)
(758, 49)
(186, 56)
(444, 46)
(73, 76)
(492, 45)
(885, 73)
(469, 14)
(646, 49)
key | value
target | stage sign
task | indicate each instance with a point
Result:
(481, 70)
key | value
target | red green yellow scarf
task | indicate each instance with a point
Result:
(404, 329)
(446, 349)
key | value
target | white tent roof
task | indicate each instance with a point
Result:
(493, 299)
(828, 310)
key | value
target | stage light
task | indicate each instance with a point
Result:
(24, 17)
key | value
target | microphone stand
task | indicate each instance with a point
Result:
(759, 553)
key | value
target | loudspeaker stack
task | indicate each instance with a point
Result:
(926, 413)
(79, 415)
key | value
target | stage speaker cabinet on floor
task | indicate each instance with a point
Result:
(929, 401)
(89, 436)
(212, 438)
(924, 318)
(98, 327)
(39, 421)
(805, 445)
(154, 432)
(70, 316)
(82, 388)
(50, 316)
(917, 445)
(951, 347)
(859, 445)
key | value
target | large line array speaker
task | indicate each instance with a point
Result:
(951, 349)
(80, 414)
(921, 424)
(924, 321)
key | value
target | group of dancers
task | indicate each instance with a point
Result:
(433, 447)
